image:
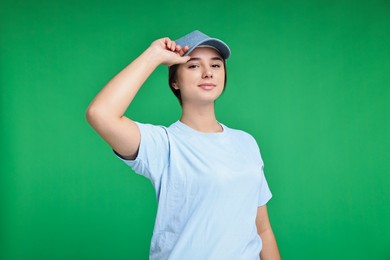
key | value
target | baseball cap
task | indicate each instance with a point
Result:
(197, 39)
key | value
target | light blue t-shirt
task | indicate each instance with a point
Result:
(208, 187)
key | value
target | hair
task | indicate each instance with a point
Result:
(172, 79)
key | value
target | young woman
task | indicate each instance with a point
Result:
(209, 179)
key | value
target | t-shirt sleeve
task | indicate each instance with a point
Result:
(153, 152)
(265, 193)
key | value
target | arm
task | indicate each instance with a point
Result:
(270, 249)
(105, 113)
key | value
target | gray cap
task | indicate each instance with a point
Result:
(197, 38)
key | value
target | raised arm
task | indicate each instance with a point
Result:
(106, 112)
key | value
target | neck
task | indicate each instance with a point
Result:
(200, 118)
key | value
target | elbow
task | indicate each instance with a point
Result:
(93, 115)
(90, 113)
(99, 118)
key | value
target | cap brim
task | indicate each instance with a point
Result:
(217, 44)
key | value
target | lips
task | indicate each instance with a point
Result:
(207, 86)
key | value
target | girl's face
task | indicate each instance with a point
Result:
(201, 80)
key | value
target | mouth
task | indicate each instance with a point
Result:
(206, 86)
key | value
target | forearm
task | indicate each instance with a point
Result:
(116, 96)
(270, 249)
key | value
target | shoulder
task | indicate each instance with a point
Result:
(150, 127)
(152, 132)
(243, 135)
(248, 142)
(244, 138)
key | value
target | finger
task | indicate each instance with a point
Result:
(183, 50)
(183, 59)
(173, 46)
(168, 43)
(186, 48)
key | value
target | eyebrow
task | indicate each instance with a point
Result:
(213, 58)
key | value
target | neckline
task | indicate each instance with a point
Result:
(190, 130)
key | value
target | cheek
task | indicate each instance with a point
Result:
(221, 76)
(186, 78)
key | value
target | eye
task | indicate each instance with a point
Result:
(193, 66)
(216, 65)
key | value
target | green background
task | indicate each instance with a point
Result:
(308, 79)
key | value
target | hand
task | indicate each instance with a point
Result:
(168, 52)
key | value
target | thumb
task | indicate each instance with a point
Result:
(183, 59)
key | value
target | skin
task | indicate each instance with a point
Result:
(270, 250)
(200, 78)
(201, 81)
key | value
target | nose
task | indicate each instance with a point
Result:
(207, 74)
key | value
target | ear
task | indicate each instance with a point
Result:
(175, 85)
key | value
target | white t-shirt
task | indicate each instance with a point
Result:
(208, 187)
